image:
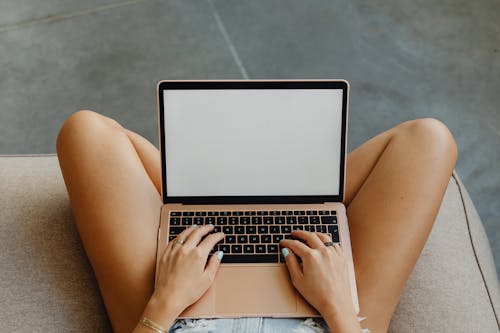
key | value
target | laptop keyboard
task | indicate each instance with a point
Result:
(254, 236)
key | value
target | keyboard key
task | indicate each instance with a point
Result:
(286, 229)
(324, 212)
(268, 220)
(171, 237)
(175, 230)
(222, 220)
(224, 248)
(175, 221)
(247, 248)
(277, 238)
(265, 239)
(216, 229)
(245, 220)
(312, 212)
(187, 221)
(200, 214)
(333, 230)
(236, 249)
(187, 213)
(286, 212)
(260, 248)
(251, 229)
(262, 213)
(250, 213)
(198, 220)
(254, 239)
(274, 212)
(309, 228)
(314, 219)
(227, 229)
(230, 239)
(213, 214)
(250, 258)
(272, 248)
(225, 213)
(291, 220)
(288, 236)
(329, 219)
(333, 212)
(242, 239)
(263, 229)
(256, 220)
(303, 220)
(175, 213)
(233, 220)
(321, 228)
(238, 213)
(274, 229)
(297, 227)
(299, 212)
(239, 229)
(279, 220)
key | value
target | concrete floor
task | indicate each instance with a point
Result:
(404, 60)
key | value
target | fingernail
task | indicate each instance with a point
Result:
(220, 254)
(210, 224)
(195, 226)
(284, 251)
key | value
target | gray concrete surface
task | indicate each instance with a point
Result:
(404, 59)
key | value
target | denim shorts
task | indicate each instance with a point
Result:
(250, 325)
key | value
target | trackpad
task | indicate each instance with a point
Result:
(247, 290)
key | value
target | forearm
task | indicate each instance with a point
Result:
(160, 312)
(342, 321)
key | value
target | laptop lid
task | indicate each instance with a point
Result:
(250, 142)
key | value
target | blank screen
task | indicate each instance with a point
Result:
(252, 142)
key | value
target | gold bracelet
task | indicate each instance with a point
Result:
(152, 325)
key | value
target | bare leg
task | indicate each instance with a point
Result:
(394, 188)
(395, 185)
(113, 176)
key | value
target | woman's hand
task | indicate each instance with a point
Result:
(182, 276)
(323, 277)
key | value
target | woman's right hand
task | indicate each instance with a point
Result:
(183, 274)
(323, 277)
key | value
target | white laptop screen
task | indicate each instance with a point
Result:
(253, 142)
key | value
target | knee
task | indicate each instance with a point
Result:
(433, 135)
(80, 124)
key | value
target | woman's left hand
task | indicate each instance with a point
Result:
(182, 276)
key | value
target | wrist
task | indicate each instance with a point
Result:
(161, 311)
(341, 319)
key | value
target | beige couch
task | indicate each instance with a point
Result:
(47, 285)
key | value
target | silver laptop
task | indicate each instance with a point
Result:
(257, 159)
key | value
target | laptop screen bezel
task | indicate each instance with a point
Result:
(252, 84)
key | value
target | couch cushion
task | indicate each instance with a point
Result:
(47, 284)
(454, 287)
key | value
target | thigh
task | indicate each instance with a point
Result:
(112, 177)
(395, 185)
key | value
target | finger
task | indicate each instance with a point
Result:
(292, 263)
(297, 247)
(209, 242)
(310, 237)
(213, 265)
(198, 232)
(174, 245)
(337, 248)
(324, 237)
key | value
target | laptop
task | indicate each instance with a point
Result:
(258, 159)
